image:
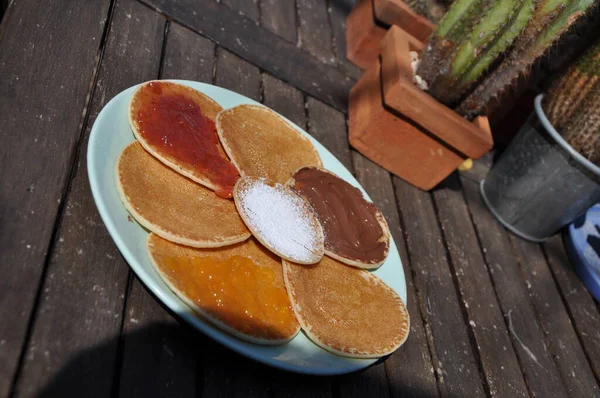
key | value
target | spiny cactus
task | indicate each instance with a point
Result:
(482, 46)
(550, 19)
(433, 10)
(468, 39)
(573, 104)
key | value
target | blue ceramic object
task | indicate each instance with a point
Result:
(582, 240)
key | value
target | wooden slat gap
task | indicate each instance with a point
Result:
(507, 321)
(570, 314)
(163, 49)
(331, 97)
(463, 309)
(117, 371)
(421, 302)
(67, 187)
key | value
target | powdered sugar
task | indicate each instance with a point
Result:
(280, 219)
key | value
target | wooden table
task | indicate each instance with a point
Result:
(491, 314)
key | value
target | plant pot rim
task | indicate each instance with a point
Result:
(560, 140)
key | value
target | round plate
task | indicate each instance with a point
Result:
(110, 135)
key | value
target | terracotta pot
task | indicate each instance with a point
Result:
(403, 128)
(367, 25)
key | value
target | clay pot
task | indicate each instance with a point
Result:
(368, 23)
(404, 129)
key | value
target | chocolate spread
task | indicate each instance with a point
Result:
(350, 224)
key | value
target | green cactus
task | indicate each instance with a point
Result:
(550, 20)
(573, 104)
(469, 38)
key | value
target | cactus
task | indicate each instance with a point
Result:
(573, 104)
(468, 39)
(433, 10)
(550, 19)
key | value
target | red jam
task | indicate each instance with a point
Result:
(174, 124)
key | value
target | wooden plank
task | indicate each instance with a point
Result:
(581, 305)
(498, 359)
(541, 373)
(187, 55)
(159, 354)
(248, 8)
(315, 31)
(328, 126)
(47, 58)
(338, 12)
(79, 314)
(279, 17)
(284, 99)
(235, 74)
(241, 36)
(410, 369)
(564, 345)
(454, 356)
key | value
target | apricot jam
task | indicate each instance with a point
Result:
(174, 124)
(237, 292)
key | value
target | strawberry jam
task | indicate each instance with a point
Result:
(171, 120)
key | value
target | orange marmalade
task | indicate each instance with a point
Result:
(236, 291)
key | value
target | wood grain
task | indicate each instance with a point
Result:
(564, 345)
(528, 339)
(454, 354)
(315, 30)
(328, 126)
(39, 81)
(233, 73)
(264, 49)
(73, 344)
(581, 305)
(187, 55)
(159, 355)
(279, 17)
(498, 359)
(338, 11)
(410, 369)
(248, 8)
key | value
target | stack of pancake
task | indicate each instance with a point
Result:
(250, 231)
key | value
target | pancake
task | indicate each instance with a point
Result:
(356, 232)
(279, 219)
(346, 310)
(238, 288)
(173, 206)
(262, 144)
(176, 124)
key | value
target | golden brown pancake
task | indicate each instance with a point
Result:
(279, 219)
(239, 288)
(262, 144)
(176, 124)
(173, 206)
(346, 310)
(356, 232)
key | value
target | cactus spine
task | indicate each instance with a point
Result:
(573, 104)
(469, 38)
(550, 20)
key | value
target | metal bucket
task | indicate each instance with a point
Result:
(540, 183)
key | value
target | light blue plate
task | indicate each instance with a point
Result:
(110, 135)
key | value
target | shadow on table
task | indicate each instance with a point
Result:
(171, 359)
